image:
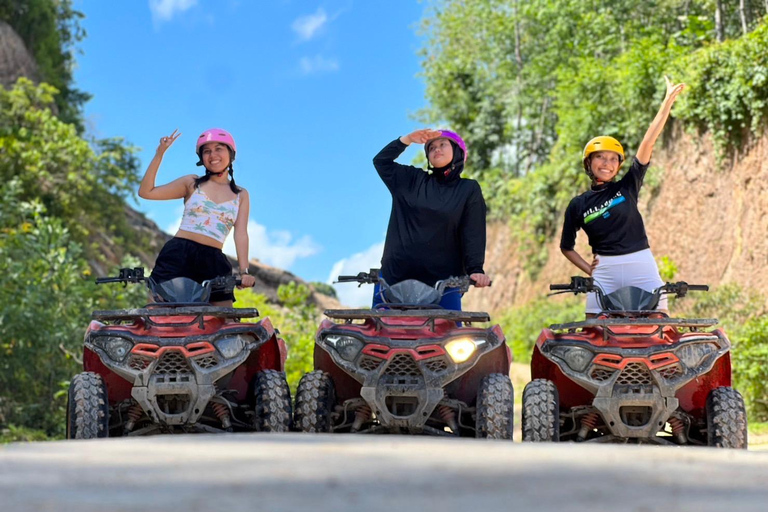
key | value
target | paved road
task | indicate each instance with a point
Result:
(269, 472)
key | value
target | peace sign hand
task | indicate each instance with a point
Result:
(166, 142)
(672, 90)
(421, 136)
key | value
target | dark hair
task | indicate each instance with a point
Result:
(202, 179)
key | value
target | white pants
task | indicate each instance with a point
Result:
(635, 269)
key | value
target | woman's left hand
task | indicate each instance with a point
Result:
(247, 281)
(672, 90)
(481, 280)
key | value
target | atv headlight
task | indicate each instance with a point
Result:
(347, 346)
(462, 349)
(115, 346)
(230, 346)
(692, 354)
(576, 358)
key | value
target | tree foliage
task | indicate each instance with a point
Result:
(51, 29)
(297, 321)
(84, 183)
(56, 190)
(529, 83)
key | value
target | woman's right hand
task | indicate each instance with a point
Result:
(420, 136)
(166, 142)
(593, 265)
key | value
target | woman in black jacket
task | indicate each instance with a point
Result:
(437, 224)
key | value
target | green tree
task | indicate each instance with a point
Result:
(84, 183)
(46, 298)
(51, 30)
(297, 321)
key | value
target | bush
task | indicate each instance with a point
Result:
(522, 324)
(297, 321)
(750, 353)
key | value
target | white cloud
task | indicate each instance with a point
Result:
(349, 294)
(306, 27)
(173, 227)
(165, 10)
(317, 64)
(276, 248)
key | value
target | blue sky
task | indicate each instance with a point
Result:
(310, 90)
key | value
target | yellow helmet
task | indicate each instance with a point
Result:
(602, 143)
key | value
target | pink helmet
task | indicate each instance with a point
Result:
(445, 134)
(216, 135)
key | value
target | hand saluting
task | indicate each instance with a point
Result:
(166, 142)
(420, 136)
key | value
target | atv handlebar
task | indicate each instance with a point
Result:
(580, 284)
(372, 277)
(136, 275)
(125, 276)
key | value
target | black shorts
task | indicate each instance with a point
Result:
(180, 257)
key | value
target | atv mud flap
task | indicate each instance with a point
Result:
(402, 406)
(173, 403)
(635, 413)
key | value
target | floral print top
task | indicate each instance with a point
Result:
(204, 216)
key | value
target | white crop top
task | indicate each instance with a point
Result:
(204, 216)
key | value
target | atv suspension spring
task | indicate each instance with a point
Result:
(222, 412)
(362, 414)
(588, 423)
(678, 429)
(448, 415)
(134, 414)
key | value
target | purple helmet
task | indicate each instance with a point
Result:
(445, 134)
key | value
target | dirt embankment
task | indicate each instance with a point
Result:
(711, 220)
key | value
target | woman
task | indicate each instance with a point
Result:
(609, 216)
(213, 205)
(437, 224)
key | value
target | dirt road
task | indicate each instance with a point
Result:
(268, 472)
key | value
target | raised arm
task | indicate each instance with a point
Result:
(174, 190)
(384, 161)
(657, 125)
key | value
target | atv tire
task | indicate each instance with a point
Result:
(273, 402)
(87, 407)
(726, 419)
(541, 412)
(495, 407)
(315, 399)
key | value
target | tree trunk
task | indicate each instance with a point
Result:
(744, 16)
(719, 33)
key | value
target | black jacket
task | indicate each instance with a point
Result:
(437, 224)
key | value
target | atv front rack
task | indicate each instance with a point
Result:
(429, 316)
(606, 323)
(198, 312)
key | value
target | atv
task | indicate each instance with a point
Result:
(633, 375)
(408, 366)
(178, 365)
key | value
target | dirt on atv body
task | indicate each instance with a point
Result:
(633, 375)
(408, 367)
(178, 365)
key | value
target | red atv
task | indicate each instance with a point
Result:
(408, 367)
(178, 365)
(633, 375)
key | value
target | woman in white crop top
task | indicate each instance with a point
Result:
(213, 205)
